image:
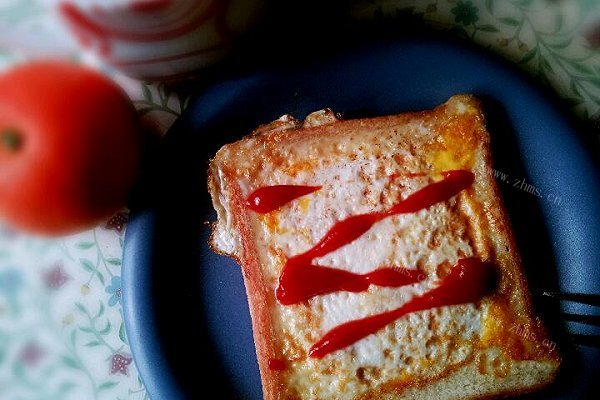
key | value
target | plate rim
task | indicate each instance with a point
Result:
(149, 363)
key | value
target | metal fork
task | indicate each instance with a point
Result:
(594, 320)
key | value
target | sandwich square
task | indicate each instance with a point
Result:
(378, 259)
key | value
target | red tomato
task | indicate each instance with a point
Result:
(69, 147)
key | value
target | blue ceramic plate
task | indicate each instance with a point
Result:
(186, 306)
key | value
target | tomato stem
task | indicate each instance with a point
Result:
(11, 139)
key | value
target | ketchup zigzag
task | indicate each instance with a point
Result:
(301, 280)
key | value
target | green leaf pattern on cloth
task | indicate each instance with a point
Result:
(61, 323)
(541, 36)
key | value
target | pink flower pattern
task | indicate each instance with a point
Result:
(56, 277)
(119, 364)
(117, 222)
(31, 354)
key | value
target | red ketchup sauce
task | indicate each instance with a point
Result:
(467, 282)
(269, 198)
(276, 364)
(301, 279)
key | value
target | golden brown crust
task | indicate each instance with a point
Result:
(461, 141)
(258, 299)
(436, 387)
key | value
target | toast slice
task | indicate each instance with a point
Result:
(378, 259)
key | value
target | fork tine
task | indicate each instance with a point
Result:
(591, 299)
(586, 340)
(585, 319)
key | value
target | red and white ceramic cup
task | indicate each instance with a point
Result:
(159, 39)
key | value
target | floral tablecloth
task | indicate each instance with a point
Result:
(61, 324)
